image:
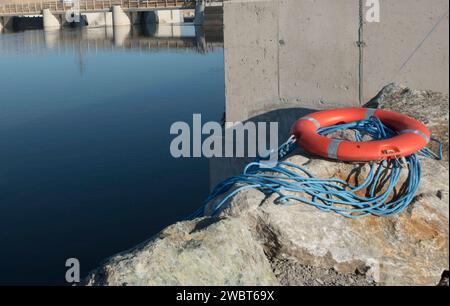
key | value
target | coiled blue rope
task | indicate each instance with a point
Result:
(293, 183)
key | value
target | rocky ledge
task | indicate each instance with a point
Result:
(252, 241)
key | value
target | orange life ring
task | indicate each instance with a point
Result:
(413, 135)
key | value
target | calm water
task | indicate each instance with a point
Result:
(85, 167)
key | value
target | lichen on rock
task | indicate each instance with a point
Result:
(206, 251)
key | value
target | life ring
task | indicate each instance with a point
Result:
(412, 135)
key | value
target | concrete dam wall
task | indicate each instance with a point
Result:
(322, 53)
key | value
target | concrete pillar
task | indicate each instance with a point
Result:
(6, 22)
(199, 12)
(108, 19)
(177, 16)
(119, 17)
(49, 20)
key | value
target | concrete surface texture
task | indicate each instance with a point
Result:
(408, 46)
(323, 53)
(50, 20)
(169, 16)
(120, 18)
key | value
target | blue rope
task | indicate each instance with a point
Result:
(293, 183)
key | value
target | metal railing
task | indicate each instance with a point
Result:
(91, 5)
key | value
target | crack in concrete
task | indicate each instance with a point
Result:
(360, 44)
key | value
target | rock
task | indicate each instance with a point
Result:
(445, 279)
(407, 249)
(428, 106)
(200, 252)
(291, 273)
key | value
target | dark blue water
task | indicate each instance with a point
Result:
(85, 167)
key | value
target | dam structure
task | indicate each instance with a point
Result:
(59, 13)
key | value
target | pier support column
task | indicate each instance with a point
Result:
(199, 12)
(49, 20)
(119, 17)
(5, 22)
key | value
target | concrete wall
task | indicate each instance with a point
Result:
(282, 54)
(318, 55)
(286, 58)
(163, 17)
(410, 45)
(119, 17)
(251, 58)
(287, 53)
(170, 16)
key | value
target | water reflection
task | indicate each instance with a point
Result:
(142, 38)
(85, 166)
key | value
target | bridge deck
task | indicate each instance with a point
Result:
(59, 7)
